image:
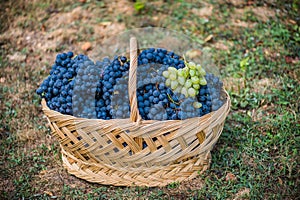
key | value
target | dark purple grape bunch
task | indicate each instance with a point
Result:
(120, 107)
(87, 86)
(113, 72)
(154, 98)
(204, 98)
(154, 102)
(214, 89)
(160, 56)
(57, 88)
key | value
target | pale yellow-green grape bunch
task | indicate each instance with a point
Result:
(187, 80)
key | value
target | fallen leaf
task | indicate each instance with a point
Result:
(289, 60)
(2, 79)
(43, 172)
(105, 23)
(155, 18)
(292, 21)
(208, 38)
(86, 46)
(48, 193)
(280, 181)
(230, 177)
(43, 27)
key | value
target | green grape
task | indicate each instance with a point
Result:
(202, 72)
(184, 91)
(168, 82)
(195, 80)
(196, 86)
(203, 81)
(174, 85)
(181, 72)
(192, 72)
(181, 80)
(192, 92)
(187, 80)
(192, 65)
(166, 74)
(197, 104)
(198, 67)
(188, 83)
(172, 70)
(173, 77)
(186, 72)
(178, 89)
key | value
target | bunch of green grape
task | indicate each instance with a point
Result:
(187, 80)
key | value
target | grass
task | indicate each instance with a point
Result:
(257, 155)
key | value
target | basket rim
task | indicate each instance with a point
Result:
(45, 107)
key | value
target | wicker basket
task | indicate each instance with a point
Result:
(177, 150)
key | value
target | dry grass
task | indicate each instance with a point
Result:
(33, 32)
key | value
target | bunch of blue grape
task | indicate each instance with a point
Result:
(120, 108)
(160, 56)
(57, 88)
(87, 86)
(204, 98)
(112, 73)
(155, 99)
(151, 63)
(188, 108)
(157, 102)
(215, 98)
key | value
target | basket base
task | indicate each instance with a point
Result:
(150, 177)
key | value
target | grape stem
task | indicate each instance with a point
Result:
(170, 98)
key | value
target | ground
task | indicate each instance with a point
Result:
(255, 45)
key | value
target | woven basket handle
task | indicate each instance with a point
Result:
(134, 112)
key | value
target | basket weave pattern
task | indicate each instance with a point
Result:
(177, 150)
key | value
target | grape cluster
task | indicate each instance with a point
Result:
(87, 84)
(57, 88)
(186, 80)
(78, 86)
(160, 56)
(204, 98)
(157, 102)
(112, 73)
(120, 108)
(215, 98)
(189, 108)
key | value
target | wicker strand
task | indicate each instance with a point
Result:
(134, 111)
